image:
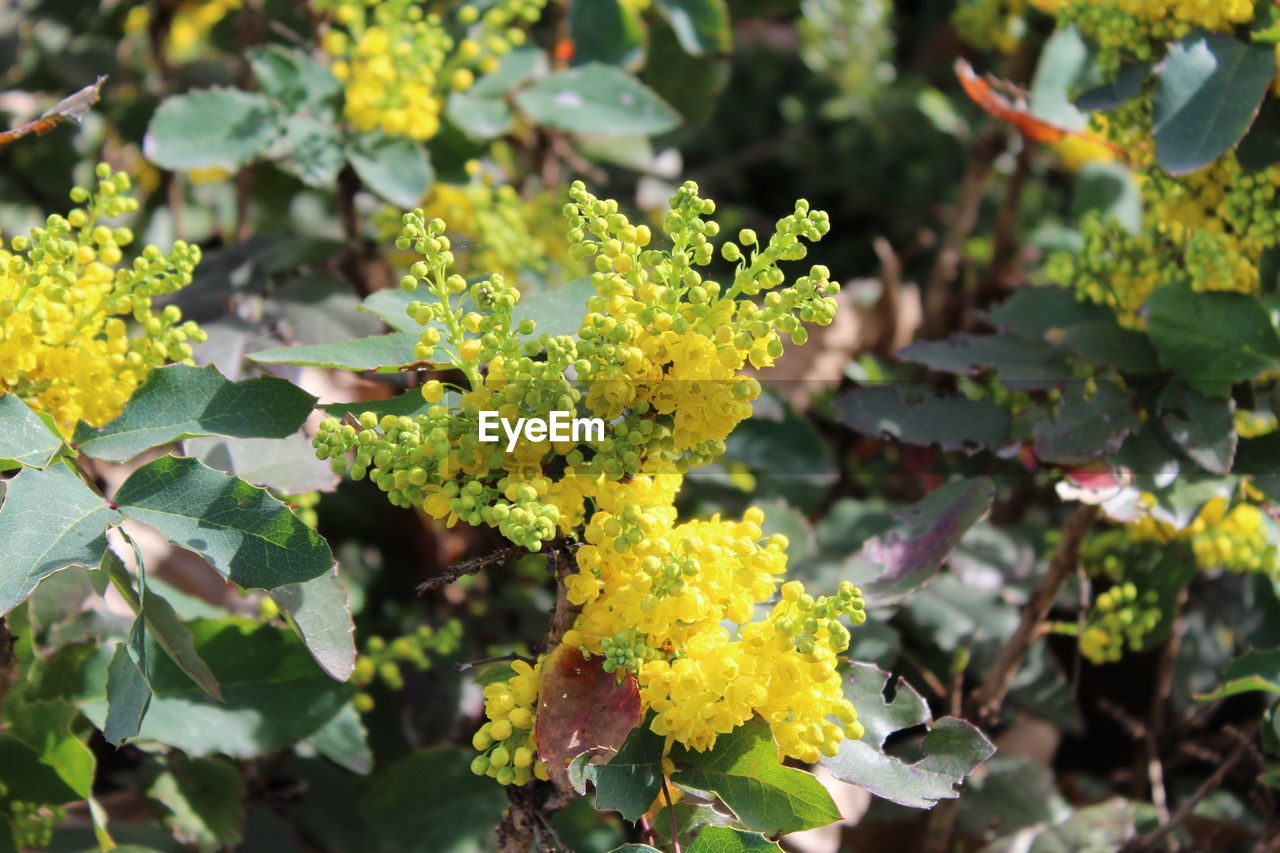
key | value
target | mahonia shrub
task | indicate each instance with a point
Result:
(78, 331)
(659, 360)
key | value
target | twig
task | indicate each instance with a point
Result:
(888, 305)
(463, 667)
(1157, 717)
(1004, 246)
(469, 567)
(987, 699)
(671, 812)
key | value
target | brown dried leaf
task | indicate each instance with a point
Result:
(71, 107)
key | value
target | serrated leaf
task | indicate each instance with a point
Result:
(1210, 88)
(25, 437)
(380, 354)
(1107, 342)
(182, 401)
(744, 770)
(1029, 363)
(128, 696)
(725, 839)
(1086, 428)
(581, 708)
(275, 694)
(204, 797)
(245, 533)
(952, 750)
(321, 614)
(701, 26)
(50, 520)
(394, 167)
(923, 536)
(632, 778)
(1032, 311)
(458, 817)
(211, 129)
(409, 403)
(597, 99)
(1257, 670)
(1203, 428)
(1211, 339)
(953, 423)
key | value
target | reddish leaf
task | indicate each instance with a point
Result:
(72, 107)
(1000, 104)
(581, 708)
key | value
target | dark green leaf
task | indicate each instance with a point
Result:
(1032, 311)
(394, 167)
(25, 437)
(50, 520)
(275, 694)
(1086, 428)
(1212, 339)
(458, 816)
(953, 423)
(692, 85)
(39, 748)
(1205, 429)
(128, 696)
(1107, 342)
(1111, 191)
(1107, 96)
(409, 403)
(744, 771)
(1253, 671)
(1211, 86)
(381, 353)
(246, 534)
(597, 99)
(1029, 363)
(724, 839)
(952, 750)
(606, 31)
(319, 611)
(1260, 147)
(181, 401)
(215, 128)
(204, 797)
(701, 26)
(632, 779)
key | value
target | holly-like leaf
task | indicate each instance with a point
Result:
(321, 614)
(953, 423)
(50, 520)
(1203, 428)
(725, 839)
(601, 100)
(1253, 671)
(581, 708)
(394, 167)
(1107, 342)
(744, 770)
(380, 354)
(275, 694)
(632, 778)
(1018, 361)
(1210, 89)
(1211, 339)
(701, 26)
(925, 533)
(211, 129)
(1085, 427)
(952, 750)
(26, 438)
(245, 533)
(181, 401)
(457, 817)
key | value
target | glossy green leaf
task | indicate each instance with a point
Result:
(1210, 88)
(1107, 342)
(1253, 671)
(245, 533)
(952, 749)
(310, 149)
(1029, 363)
(394, 167)
(409, 403)
(953, 423)
(482, 111)
(181, 401)
(1032, 311)
(381, 353)
(211, 129)
(128, 696)
(725, 839)
(345, 741)
(275, 694)
(701, 26)
(632, 779)
(606, 31)
(50, 520)
(597, 99)
(558, 311)
(744, 770)
(1260, 147)
(1204, 429)
(293, 78)
(26, 438)
(321, 614)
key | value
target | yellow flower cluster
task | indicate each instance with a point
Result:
(676, 606)
(1139, 29)
(991, 24)
(399, 62)
(1119, 617)
(381, 661)
(66, 344)
(1221, 537)
(507, 749)
(189, 28)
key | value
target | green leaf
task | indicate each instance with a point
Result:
(1031, 311)
(1112, 191)
(344, 741)
(310, 149)
(1029, 363)
(320, 613)
(40, 748)
(744, 771)
(204, 797)
(952, 750)
(409, 403)
(1260, 147)
(381, 353)
(128, 696)
(458, 816)
(597, 99)
(482, 111)
(391, 306)
(1212, 339)
(1107, 96)
(1253, 671)
(26, 438)
(293, 79)
(275, 694)
(701, 26)
(245, 533)
(50, 520)
(1086, 428)
(558, 311)
(181, 401)
(1107, 342)
(953, 423)
(214, 128)
(632, 779)
(1064, 61)
(394, 167)
(724, 839)
(635, 848)
(606, 31)
(288, 465)
(1210, 88)
(1205, 429)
